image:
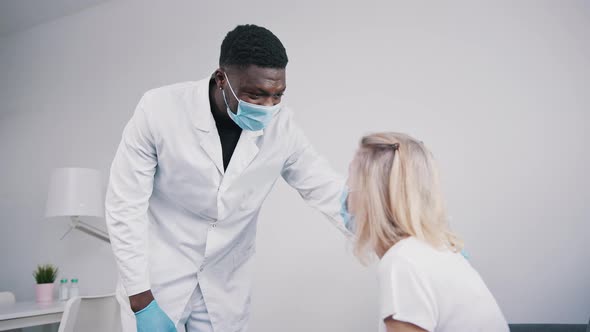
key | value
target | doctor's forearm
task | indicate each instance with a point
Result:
(141, 300)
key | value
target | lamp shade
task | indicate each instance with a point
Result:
(75, 192)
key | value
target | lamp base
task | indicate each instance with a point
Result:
(78, 224)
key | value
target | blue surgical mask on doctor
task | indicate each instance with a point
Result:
(250, 116)
(347, 217)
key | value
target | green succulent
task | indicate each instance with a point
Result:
(45, 274)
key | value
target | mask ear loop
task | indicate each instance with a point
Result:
(230, 88)
(225, 99)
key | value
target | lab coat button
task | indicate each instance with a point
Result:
(201, 269)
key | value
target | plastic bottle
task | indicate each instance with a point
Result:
(74, 290)
(63, 290)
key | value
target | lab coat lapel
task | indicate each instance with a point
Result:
(245, 152)
(211, 144)
(203, 120)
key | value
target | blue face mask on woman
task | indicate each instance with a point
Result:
(344, 213)
(250, 116)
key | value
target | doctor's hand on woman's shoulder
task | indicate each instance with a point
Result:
(148, 314)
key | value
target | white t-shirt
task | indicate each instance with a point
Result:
(435, 290)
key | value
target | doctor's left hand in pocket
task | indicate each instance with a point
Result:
(153, 319)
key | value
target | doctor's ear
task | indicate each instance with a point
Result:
(219, 78)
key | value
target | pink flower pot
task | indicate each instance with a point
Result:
(44, 293)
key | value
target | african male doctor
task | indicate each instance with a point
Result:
(195, 163)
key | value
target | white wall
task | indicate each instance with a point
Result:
(500, 90)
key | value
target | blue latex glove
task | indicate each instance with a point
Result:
(153, 319)
(465, 254)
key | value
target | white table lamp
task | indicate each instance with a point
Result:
(75, 193)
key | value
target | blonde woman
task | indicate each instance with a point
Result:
(395, 208)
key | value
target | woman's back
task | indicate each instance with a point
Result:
(435, 290)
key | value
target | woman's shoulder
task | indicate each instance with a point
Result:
(400, 255)
(411, 248)
(414, 253)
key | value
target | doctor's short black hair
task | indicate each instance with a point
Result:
(252, 45)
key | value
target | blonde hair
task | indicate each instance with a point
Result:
(395, 193)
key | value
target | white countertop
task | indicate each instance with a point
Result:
(27, 309)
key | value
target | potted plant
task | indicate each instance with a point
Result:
(45, 276)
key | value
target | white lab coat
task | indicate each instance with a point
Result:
(177, 219)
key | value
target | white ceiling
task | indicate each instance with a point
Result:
(17, 15)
